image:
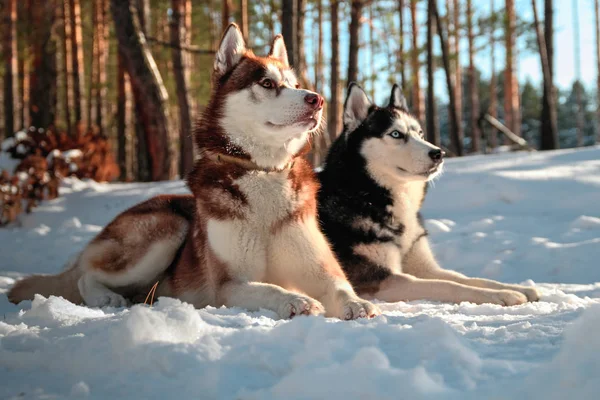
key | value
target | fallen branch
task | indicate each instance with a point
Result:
(507, 132)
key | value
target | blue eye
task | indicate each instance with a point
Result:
(397, 135)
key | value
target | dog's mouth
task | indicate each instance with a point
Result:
(427, 174)
(309, 120)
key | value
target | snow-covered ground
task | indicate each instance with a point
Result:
(512, 217)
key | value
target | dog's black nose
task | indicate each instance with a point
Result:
(314, 100)
(437, 155)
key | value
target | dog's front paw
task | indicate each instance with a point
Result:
(531, 293)
(507, 297)
(300, 305)
(109, 299)
(358, 308)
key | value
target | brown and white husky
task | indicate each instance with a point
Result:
(248, 236)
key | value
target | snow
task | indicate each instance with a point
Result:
(516, 217)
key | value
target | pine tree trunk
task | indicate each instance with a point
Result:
(225, 11)
(433, 132)
(577, 58)
(333, 114)
(417, 107)
(79, 104)
(122, 139)
(178, 34)
(549, 125)
(11, 68)
(43, 74)
(512, 118)
(289, 28)
(319, 55)
(67, 65)
(455, 126)
(401, 55)
(101, 88)
(243, 18)
(93, 78)
(301, 67)
(597, 15)
(473, 94)
(355, 14)
(493, 138)
(149, 91)
(455, 51)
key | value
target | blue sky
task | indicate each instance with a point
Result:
(528, 62)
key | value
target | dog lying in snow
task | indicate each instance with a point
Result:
(372, 188)
(249, 236)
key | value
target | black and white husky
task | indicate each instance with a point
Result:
(372, 187)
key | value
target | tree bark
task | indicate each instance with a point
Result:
(455, 126)
(473, 95)
(319, 55)
(148, 89)
(511, 86)
(79, 104)
(43, 74)
(417, 106)
(243, 18)
(121, 125)
(401, 56)
(433, 132)
(455, 51)
(493, 138)
(333, 114)
(225, 11)
(355, 14)
(67, 64)
(178, 35)
(577, 57)
(101, 87)
(301, 66)
(597, 15)
(11, 68)
(549, 124)
(289, 28)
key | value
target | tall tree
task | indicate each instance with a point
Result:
(289, 28)
(457, 68)
(102, 27)
(243, 17)
(43, 74)
(577, 56)
(319, 56)
(512, 118)
(181, 72)
(121, 116)
(473, 92)
(11, 69)
(24, 65)
(417, 100)
(433, 132)
(493, 137)
(597, 14)
(67, 63)
(356, 8)
(150, 95)
(334, 106)
(300, 57)
(401, 56)
(455, 125)
(79, 103)
(225, 11)
(549, 124)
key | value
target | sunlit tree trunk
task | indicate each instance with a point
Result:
(333, 122)
(433, 132)
(401, 55)
(455, 51)
(225, 12)
(78, 70)
(11, 68)
(319, 56)
(180, 70)
(549, 124)
(101, 88)
(356, 8)
(243, 18)
(473, 94)
(597, 14)
(511, 85)
(67, 64)
(577, 57)
(493, 138)
(417, 105)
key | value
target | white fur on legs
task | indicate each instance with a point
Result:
(256, 295)
(95, 294)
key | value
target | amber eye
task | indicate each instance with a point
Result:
(267, 83)
(297, 86)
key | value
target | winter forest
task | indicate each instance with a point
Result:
(99, 103)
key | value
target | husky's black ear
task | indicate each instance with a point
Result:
(397, 99)
(356, 107)
(231, 50)
(278, 50)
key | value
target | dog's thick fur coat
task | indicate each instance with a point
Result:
(372, 188)
(248, 236)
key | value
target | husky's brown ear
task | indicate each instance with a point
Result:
(356, 107)
(278, 50)
(397, 99)
(231, 50)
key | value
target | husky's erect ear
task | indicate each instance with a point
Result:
(397, 99)
(356, 107)
(231, 50)
(278, 50)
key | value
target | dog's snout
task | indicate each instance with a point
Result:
(314, 100)
(437, 155)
